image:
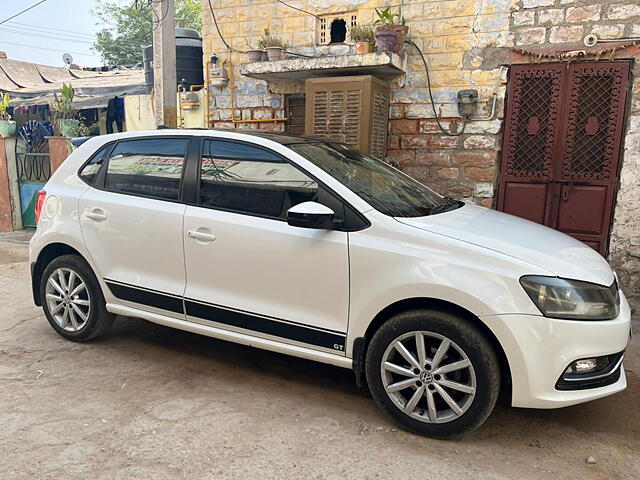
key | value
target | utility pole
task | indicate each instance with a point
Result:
(164, 62)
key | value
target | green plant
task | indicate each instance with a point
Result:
(127, 27)
(361, 33)
(386, 17)
(63, 104)
(85, 130)
(4, 105)
(269, 40)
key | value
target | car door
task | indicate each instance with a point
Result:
(247, 269)
(132, 223)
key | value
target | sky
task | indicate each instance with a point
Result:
(44, 33)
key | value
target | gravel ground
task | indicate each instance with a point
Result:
(149, 402)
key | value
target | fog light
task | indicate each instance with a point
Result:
(587, 365)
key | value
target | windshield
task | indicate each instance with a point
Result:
(383, 187)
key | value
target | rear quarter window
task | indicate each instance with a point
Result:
(89, 171)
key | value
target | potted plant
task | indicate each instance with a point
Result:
(7, 126)
(274, 45)
(66, 116)
(391, 30)
(254, 54)
(363, 37)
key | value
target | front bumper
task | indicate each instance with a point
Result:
(539, 349)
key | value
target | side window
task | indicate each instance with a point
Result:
(150, 167)
(248, 179)
(90, 170)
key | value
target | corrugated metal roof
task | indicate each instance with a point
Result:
(34, 84)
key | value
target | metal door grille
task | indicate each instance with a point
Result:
(561, 148)
(592, 122)
(533, 128)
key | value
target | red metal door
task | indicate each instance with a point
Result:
(562, 144)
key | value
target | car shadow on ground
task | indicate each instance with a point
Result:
(616, 417)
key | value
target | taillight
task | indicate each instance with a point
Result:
(39, 203)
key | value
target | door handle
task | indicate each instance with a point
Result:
(202, 236)
(97, 215)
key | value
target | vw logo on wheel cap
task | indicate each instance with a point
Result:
(426, 377)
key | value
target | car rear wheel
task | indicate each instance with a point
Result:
(72, 299)
(433, 373)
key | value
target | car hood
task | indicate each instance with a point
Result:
(549, 249)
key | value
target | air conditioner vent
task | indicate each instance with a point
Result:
(353, 110)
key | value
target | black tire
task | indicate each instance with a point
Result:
(468, 338)
(98, 320)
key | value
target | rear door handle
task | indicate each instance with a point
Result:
(97, 215)
(202, 236)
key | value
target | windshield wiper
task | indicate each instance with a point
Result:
(450, 204)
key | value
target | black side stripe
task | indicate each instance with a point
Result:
(146, 297)
(264, 325)
(240, 319)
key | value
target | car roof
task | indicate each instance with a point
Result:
(278, 137)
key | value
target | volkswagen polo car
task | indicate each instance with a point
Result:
(307, 247)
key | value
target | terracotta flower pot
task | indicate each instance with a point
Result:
(264, 57)
(275, 53)
(7, 128)
(390, 38)
(254, 55)
(363, 47)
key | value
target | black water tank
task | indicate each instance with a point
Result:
(188, 59)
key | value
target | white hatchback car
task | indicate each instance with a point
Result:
(307, 247)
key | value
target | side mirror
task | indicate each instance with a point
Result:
(310, 215)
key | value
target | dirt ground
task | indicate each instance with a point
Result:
(149, 402)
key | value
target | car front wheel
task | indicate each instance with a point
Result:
(433, 373)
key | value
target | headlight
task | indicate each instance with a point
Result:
(572, 299)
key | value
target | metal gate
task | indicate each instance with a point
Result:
(562, 144)
(32, 165)
(33, 169)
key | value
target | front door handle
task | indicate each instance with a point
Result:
(202, 236)
(97, 215)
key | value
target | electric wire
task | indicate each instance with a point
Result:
(43, 35)
(44, 48)
(299, 9)
(22, 11)
(46, 29)
(158, 22)
(215, 21)
(54, 36)
(433, 105)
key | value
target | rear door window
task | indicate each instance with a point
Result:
(150, 167)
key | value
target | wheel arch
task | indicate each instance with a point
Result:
(46, 256)
(361, 343)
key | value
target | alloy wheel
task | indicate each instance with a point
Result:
(428, 377)
(68, 299)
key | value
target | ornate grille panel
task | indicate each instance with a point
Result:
(594, 122)
(534, 112)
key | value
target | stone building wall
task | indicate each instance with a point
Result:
(467, 44)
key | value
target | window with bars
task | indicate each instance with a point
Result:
(335, 27)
